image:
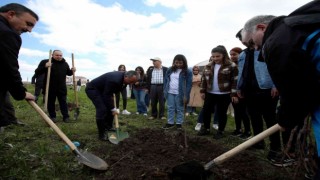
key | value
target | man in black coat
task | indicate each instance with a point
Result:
(15, 19)
(57, 85)
(37, 80)
(101, 91)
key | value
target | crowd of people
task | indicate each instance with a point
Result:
(275, 80)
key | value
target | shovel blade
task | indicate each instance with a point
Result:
(90, 160)
(116, 137)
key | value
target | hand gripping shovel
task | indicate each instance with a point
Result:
(116, 137)
(83, 157)
(77, 109)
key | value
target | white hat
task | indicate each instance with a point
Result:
(156, 59)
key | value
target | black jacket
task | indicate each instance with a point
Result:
(149, 75)
(108, 84)
(59, 71)
(291, 65)
(10, 43)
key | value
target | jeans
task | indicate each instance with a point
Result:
(140, 94)
(175, 106)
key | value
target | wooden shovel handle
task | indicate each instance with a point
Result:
(48, 82)
(74, 82)
(52, 125)
(116, 121)
(220, 159)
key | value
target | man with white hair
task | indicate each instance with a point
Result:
(290, 46)
(155, 76)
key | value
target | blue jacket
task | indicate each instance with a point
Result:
(260, 69)
(185, 78)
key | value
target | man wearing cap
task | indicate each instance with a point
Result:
(155, 86)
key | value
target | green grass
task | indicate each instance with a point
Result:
(35, 151)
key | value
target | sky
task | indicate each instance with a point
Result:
(102, 34)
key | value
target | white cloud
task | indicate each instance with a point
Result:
(104, 37)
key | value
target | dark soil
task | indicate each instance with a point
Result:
(153, 153)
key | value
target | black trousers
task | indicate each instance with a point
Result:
(241, 115)
(261, 106)
(7, 112)
(104, 117)
(124, 98)
(218, 103)
(62, 99)
(156, 96)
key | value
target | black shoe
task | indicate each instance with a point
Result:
(236, 133)
(66, 120)
(111, 129)
(103, 137)
(203, 131)
(245, 136)
(219, 135)
(17, 122)
(168, 126)
(54, 120)
(179, 126)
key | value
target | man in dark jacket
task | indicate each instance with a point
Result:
(37, 80)
(57, 84)
(290, 47)
(15, 19)
(101, 91)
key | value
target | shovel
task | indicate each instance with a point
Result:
(116, 137)
(225, 156)
(47, 84)
(77, 110)
(188, 169)
(83, 157)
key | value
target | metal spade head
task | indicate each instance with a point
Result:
(116, 137)
(90, 160)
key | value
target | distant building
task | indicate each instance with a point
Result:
(69, 80)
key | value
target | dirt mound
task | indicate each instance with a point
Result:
(152, 153)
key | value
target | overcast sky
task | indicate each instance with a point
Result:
(103, 34)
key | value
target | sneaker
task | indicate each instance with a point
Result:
(280, 161)
(203, 131)
(179, 126)
(194, 114)
(219, 135)
(236, 133)
(151, 118)
(145, 114)
(125, 112)
(198, 127)
(137, 113)
(215, 126)
(187, 114)
(168, 126)
(245, 136)
(163, 118)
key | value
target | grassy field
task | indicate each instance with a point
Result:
(35, 151)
